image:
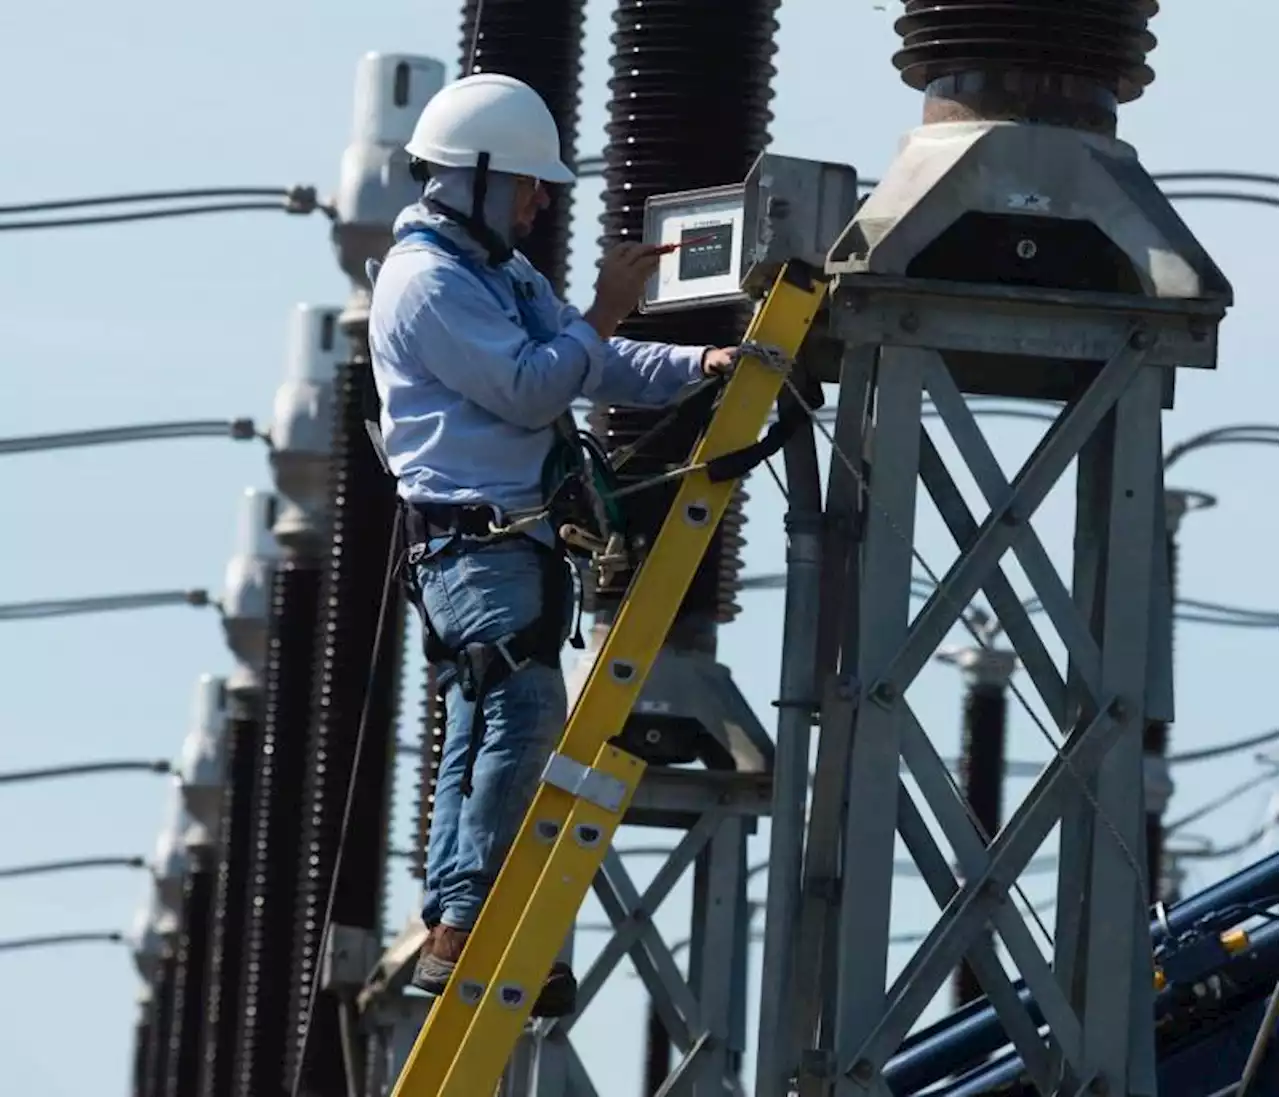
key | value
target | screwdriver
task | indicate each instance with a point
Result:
(667, 249)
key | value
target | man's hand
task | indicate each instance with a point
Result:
(719, 361)
(623, 273)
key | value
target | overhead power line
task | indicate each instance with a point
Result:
(53, 940)
(294, 200)
(303, 199)
(152, 196)
(47, 868)
(1189, 610)
(1208, 613)
(239, 430)
(1237, 745)
(1225, 800)
(1237, 434)
(1248, 178)
(1255, 620)
(84, 769)
(1216, 177)
(26, 611)
(1266, 617)
(145, 215)
(1214, 853)
(1222, 196)
(590, 166)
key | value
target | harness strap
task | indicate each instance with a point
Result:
(570, 442)
(529, 320)
(425, 521)
(478, 668)
(736, 464)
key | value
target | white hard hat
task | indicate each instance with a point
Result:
(488, 112)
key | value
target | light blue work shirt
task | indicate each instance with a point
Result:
(468, 395)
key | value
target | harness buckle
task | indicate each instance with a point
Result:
(579, 538)
(505, 652)
(473, 663)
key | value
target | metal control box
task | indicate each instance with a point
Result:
(726, 244)
(704, 229)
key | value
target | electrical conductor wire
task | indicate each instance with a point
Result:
(237, 429)
(26, 611)
(45, 868)
(110, 937)
(146, 196)
(1226, 748)
(13, 777)
(1219, 802)
(145, 215)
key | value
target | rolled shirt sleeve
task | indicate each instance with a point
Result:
(634, 373)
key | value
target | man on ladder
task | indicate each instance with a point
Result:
(476, 364)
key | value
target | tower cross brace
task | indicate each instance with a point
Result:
(1095, 993)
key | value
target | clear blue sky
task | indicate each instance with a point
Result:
(187, 320)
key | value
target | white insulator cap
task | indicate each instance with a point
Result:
(302, 425)
(202, 767)
(247, 589)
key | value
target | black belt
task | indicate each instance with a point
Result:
(424, 521)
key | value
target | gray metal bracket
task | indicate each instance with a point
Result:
(584, 782)
(887, 311)
(350, 953)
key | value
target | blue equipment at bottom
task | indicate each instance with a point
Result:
(1217, 953)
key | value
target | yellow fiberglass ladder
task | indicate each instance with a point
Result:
(472, 1029)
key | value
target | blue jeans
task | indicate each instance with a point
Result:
(478, 594)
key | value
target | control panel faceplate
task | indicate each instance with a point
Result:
(704, 229)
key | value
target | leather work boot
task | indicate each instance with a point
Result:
(432, 971)
(442, 950)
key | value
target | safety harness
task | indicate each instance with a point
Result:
(478, 668)
(578, 481)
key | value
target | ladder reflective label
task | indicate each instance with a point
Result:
(471, 1030)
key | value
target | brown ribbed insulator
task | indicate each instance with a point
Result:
(689, 107)
(539, 42)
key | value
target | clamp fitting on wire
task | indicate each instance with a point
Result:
(770, 356)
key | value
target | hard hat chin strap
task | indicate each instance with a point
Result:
(498, 249)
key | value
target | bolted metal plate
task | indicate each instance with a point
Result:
(1018, 321)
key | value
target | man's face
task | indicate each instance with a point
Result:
(531, 196)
